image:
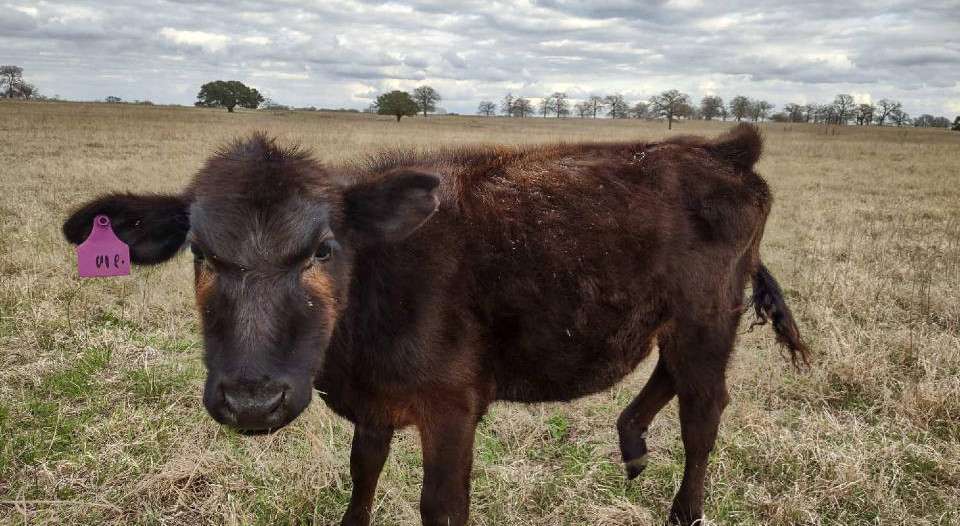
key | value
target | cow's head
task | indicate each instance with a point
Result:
(274, 238)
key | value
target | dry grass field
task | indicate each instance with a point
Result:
(101, 420)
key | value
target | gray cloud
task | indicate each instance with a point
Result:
(344, 53)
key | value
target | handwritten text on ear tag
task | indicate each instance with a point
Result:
(103, 254)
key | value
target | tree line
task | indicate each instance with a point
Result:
(670, 105)
(673, 104)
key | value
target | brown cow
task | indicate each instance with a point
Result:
(416, 289)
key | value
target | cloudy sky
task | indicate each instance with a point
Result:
(342, 53)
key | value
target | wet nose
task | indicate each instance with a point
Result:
(255, 407)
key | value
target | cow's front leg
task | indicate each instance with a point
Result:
(447, 437)
(369, 452)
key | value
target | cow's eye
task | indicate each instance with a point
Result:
(324, 251)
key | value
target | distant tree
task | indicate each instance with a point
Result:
(900, 117)
(522, 107)
(670, 104)
(844, 105)
(426, 98)
(506, 105)
(640, 110)
(11, 78)
(739, 107)
(596, 104)
(546, 104)
(559, 104)
(794, 112)
(809, 112)
(487, 108)
(827, 114)
(228, 94)
(724, 113)
(710, 107)
(922, 121)
(956, 124)
(112, 99)
(25, 90)
(884, 108)
(940, 122)
(583, 109)
(397, 103)
(759, 109)
(780, 116)
(617, 107)
(863, 114)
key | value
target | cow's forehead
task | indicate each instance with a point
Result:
(250, 233)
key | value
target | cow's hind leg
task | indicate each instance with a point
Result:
(636, 418)
(697, 360)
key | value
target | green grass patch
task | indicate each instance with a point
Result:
(158, 383)
(76, 381)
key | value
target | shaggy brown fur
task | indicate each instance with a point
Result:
(416, 289)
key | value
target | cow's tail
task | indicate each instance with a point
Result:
(769, 305)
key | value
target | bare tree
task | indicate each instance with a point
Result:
(739, 107)
(617, 107)
(826, 113)
(924, 120)
(546, 104)
(11, 77)
(759, 109)
(596, 104)
(522, 107)
(940, 122)
(670, 104)
(809, 112)
(640, 110)
(487, 108)
(724, 113)
(884, 108)
(794, 112)
(899, 117)
(506, 105)
(843, 105)
(710, 107)
(583, 109)
(426, 98)
(559, 104)
(864, 114)
(26, 90)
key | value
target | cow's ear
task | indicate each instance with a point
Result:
(392, 207)
(154, 226)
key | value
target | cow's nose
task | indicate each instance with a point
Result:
(255, 407)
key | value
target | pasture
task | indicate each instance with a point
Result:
(101, 420)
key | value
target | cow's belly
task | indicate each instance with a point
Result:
(549, 354)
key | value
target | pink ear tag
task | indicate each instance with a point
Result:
(103, 254)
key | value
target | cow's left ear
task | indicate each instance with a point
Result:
(392, 207)
(154, 226)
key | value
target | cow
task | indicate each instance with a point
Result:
(415, 289)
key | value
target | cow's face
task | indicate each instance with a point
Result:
(273, 244)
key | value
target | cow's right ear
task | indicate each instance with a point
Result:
(154, 226)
